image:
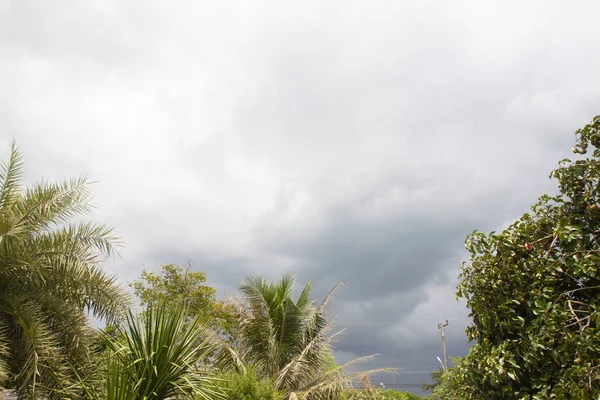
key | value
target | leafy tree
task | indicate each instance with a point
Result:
(533, 292)
(49, 281)
(174, 285)
(288, 341)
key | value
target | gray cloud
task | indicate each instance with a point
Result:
(333, 140)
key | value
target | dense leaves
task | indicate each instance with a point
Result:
(533, 292)
(49, 280)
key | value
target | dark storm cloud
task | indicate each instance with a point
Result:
(393, 159)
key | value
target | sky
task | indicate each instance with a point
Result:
(339, 141)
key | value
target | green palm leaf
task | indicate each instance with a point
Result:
(49, 280)
(4, 351)
(289, 342)
(157, 355)
(10, 177)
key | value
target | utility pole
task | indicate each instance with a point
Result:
(441, 328)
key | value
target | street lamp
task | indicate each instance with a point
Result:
(442, 364)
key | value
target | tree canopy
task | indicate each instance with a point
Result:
(172, 284)
(533, 291)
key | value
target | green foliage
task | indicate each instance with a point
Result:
(287, 340)
(444, 385)
(436, 377)
(4, 355)
(533, 292)
(247, 386)
(329, 362)
(49, 280)
(378, 394)
(155, 357)
(174, 285)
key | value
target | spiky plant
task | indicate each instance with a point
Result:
(49, 281)
(156, 357)
(288, 341)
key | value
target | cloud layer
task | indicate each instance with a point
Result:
(336, 140)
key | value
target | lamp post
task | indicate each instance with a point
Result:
(440, 360)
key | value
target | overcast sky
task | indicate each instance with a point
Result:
(337, 140)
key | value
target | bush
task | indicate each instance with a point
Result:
(378, 394)
(246, 386)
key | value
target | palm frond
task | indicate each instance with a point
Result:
(36, 349)
(86, 240)
(47, 204)
(259, 333)
(227, 357)
(4, 351)
(343, 374)
(308, 360)
(11, 173)
(304, 299)
(104, 298)
(290, 341)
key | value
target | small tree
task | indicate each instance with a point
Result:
(533, 292)
(289, 341)
(174, 285)
(154, 357)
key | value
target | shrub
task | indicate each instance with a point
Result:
(247, 386)
(378, 394)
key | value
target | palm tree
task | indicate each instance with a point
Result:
(49, 281)
(289, 342)
(155, 356)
